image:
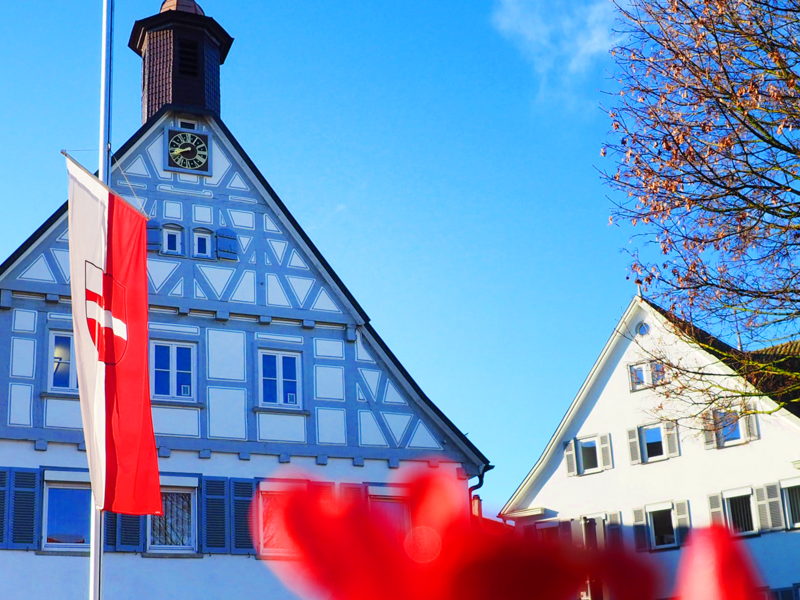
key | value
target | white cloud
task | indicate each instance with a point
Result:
(559, 37)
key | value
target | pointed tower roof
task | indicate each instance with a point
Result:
(189, 6)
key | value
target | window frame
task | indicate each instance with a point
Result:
(166, 230)
(281, 489)
(792, 521)
(722, 442)
(579, 455)
(651, 530)
(280, 405)
(726, 498)
(647, 380)
(73, 373)
(600, 520)
(646, 458)
(173, 370)
(55, 546)
(208, 236)
(393, 494)
(188, 549)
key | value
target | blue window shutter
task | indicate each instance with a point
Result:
(110, 534)
(227, 244)
(130, 533)
(355, 493)
(241, 494)
(24, 510)
(153, 235)
(5, 484)
(216, 537)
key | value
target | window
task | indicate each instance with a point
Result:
(747, 511)
(202, 244)
(393, 510)
(653, 442)
(588, 455)
(279, 375)
(646, 374)
(172, 370)
(390, 504)
(661, 526)
(792, 499)
(727, 423)
(187, 124)
(662, 529)
(172, 241)
(67, 509)
(740, 514)
(176, 529)
(729, 427)
(273, 539)
(594, 531)
(63, 376)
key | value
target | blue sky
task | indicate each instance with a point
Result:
(442, 155)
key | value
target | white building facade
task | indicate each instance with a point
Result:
(263, 367)
(616, 472)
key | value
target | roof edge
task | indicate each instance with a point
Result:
(510, 507)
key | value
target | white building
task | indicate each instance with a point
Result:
(614, 473)
(262, 364)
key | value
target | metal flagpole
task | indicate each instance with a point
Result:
(104, 170)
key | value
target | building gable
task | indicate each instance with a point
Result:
(263, 289)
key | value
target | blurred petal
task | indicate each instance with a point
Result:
(716, 567)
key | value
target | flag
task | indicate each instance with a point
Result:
(108, 268)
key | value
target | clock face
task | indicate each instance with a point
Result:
(187, 150)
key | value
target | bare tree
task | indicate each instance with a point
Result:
(707, 150)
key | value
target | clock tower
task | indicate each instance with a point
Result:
(181, 50)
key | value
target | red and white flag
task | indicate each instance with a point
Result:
(108, 267)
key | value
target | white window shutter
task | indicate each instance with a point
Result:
(633, 446)
(640, 536)
(716, 509)
(671, 433)
(614, 531)
(605, 451)
(682, 520)
(569, 456)
(709, 431)
(600, 532)
(750, 423)
(769, 507)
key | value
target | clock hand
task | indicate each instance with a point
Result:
(179, 150)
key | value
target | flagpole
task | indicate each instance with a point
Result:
(104, 172)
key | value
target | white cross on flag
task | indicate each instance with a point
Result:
(108, 263)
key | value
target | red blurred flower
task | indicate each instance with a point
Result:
(716, 567)
(357, 554)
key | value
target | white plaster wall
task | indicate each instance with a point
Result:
(127, 576)
(610, 407)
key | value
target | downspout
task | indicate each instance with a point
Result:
(479, 485)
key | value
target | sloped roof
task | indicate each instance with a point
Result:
(773, 371)
(479, 457)
(739, 361)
